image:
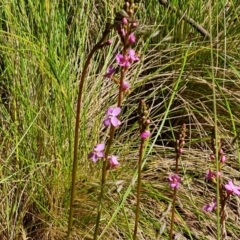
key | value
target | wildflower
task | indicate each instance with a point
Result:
(132, 38)
(112, 114)
(97, 152)
(125, 85)
(210, 206)
(174, 180)
(210, 175)
(125, 61)
(132, 55)
(113, 162)
(231, 188)
(145, 134)
(110, 71)
(122, 61)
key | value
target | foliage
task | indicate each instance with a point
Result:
(43, 46)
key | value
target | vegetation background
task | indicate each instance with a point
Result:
(182, 75)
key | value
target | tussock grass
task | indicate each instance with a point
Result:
(43, 46)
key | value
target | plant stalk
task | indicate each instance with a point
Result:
(138, 188)
(98, 46)
(174, 198)
(103, 181)
(104, 167)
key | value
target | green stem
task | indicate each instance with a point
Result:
(138, 188)
(98, 46)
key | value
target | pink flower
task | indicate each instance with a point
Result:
(231, 188)
(174, 180)
(125, 61)
(97, 152)
(122, 61)
(210, 174)
(113, 162)
(145, 134)
(110, 71)
(132, 38)
(210, 206)
(112, 114)
(132, 55)
(125, 85)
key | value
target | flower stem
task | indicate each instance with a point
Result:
(138, 188)
(103, 181)
(104, 167)
(98, 46)
(173, 213)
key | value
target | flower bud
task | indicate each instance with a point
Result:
(223, 159)
(180, 150)
(109, 42)
(212, 156)
(124, 21)
(148, 121)
(134, 24)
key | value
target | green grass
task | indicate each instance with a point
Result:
(43, 46)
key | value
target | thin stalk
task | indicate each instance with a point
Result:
(138, 187)
(104, 167)
(98, 46)
(174, 199)
(104, 177)
(173, 213)
(215, 123)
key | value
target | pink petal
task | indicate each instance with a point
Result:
(99, 147)
(132, 38)
(107, 122)
(115, 122)
(132, 55)
(116, 111)
(93, 157)
(229, 186)
(100, 154)
(120, 59)
(113, 161)
(109, 110)
(125, 86)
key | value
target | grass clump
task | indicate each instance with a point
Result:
(43, 48)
